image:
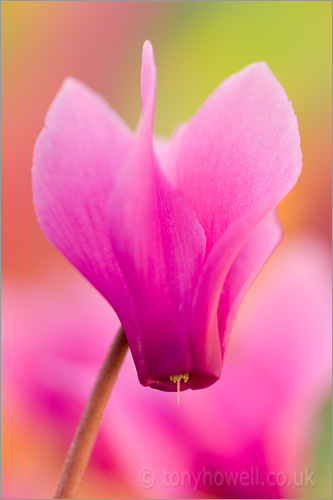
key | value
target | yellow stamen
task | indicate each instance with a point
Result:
(177, 379)
(178, 391)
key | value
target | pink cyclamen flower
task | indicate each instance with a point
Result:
(172, 235)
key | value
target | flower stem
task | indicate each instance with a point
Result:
(84, 439)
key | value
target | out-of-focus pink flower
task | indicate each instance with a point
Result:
(260, 417)
(51, 355)
(174, 235)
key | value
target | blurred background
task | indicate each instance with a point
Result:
(56, 329)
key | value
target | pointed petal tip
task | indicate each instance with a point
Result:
(147, 44)
(147, 49)
(68, 86)
(148, 58)
(69, 83)
(262, 65)
(258, 68)
(72, 84)
(69, 80)
(148, 76)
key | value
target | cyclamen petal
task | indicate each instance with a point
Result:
(76, 160)
(173, 246)
(160, 246)
(240, 150)
(251, 258)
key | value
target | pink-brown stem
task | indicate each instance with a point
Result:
(84, 439)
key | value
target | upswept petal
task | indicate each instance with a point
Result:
(148, 84)
(160, 246)
(206, 342)
(77, 157)
(241, 149)
(244, 270)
